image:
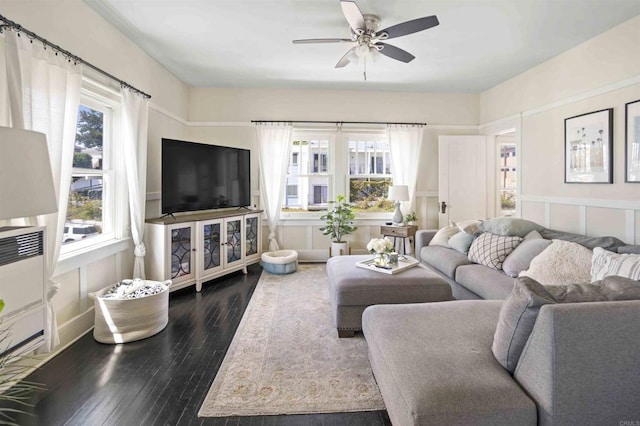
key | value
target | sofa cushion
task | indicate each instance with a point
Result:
(609, 243)
(509, 226)
(433, 364)
(606, 263)
(520, 311)
(491, 249)
(443, 259)
(443, 235)
(487, 283)
(562, 262)
(520, 259)
(461, 242)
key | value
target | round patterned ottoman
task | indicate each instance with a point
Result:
(280, 262)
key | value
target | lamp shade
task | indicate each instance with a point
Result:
(399, 193)
(26, 182)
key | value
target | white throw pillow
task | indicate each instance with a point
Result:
(469, 226)
(563, 262)
(442, 236)
(491, 250)
(605, 263)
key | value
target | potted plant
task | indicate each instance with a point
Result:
(411, 218)
(339, 222)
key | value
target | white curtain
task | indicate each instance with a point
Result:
(405, 144)
(44, 95)
(135, 108)
(274, 145)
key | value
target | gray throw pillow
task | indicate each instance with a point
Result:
(608, 243)
(517, 318)
(519, 312)
(629, 249)
(461, 242)
(509, 226)
(520, 259)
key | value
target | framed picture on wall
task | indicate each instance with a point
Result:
(588, 147)
(632, 142)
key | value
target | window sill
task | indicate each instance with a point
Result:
(74, 259)
(293, 219)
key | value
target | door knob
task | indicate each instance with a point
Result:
(443, 207)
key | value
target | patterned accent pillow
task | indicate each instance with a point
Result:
(605, 263)
(491, 250)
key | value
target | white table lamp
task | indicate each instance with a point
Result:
(398, 193)
(26, 182)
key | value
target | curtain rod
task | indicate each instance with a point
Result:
(70, 56)
(337, 123)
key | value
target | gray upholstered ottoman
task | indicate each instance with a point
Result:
(352, 289)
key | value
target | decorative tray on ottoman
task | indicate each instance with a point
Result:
(404, 263)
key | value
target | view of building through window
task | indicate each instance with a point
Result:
(507, 179)
(369, 174)
(84, 209)
(307, 183)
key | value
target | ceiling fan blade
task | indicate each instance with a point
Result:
(344, 61)
(410, 27)
(323, 40)
(395, 52)
(353, 15)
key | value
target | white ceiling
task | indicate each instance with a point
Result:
(241, 43)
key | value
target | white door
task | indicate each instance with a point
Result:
(462, 178)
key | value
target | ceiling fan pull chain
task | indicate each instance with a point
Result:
(365, 69)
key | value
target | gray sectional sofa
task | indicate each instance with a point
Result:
(470, 280)
(435, 365)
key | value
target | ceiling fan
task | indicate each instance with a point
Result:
(368, 39)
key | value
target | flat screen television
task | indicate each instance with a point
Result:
(198, 176)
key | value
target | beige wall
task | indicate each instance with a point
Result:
(602, 73)
(214, 104)
(75, 27)
(609, 58)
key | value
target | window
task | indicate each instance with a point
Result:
(369, 173)
(507, 179)
(308, 176)
(90, 208)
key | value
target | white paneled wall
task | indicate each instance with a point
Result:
(592, 217)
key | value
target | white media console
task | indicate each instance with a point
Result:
(198, 247)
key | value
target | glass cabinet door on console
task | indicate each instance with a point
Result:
(211, 238)
(181, 246)
(252, 236)
(233, 241)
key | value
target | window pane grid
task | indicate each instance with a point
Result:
(307, 183)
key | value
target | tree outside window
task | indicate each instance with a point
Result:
(85, 205)
(369, 174)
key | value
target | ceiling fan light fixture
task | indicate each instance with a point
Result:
(363, 50)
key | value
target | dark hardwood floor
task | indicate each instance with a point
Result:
(161, 380)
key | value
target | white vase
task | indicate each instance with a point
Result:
(339, 249)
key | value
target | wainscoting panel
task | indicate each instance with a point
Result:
(534, 211)
(601, 221)
(593, 217)
(565, 217)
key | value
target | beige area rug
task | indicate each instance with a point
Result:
(286, 357)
